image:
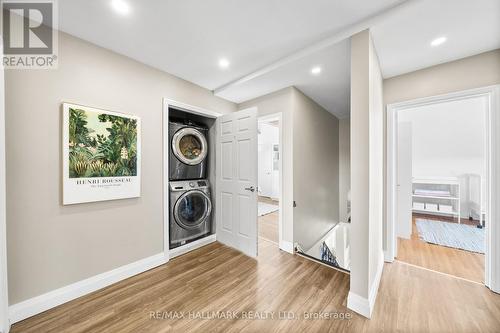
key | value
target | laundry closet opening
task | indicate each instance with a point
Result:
(189, 167)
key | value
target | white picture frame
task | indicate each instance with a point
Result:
(101, 155)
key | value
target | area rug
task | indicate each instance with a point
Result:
(459, 236)
(265, 208)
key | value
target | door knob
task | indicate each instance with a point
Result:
(251, 189)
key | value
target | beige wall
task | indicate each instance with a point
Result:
(315, 170)
(477, 71)
(344, 167)
(376, 184)
(50, 245)
(310, 176)
(281, 101)
(359, 164)
(472, 72)
(366, 168)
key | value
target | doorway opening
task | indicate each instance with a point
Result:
(189, 157)
(441, 168)
(442, 187)
(269, 180)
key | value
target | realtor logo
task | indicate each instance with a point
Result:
(29, 31)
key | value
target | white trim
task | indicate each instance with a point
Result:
(375, 285)
(191, 108)
(166, 146)
(391, 240)
(192, 246)
(358, 304)
(492, 255)
(165, 181)
(364, 306)
(492, 267)
(4, 298)
(38, 304)
(319, 262)
(388, 257)
(437, 272)
(341, 35)
(284, 245)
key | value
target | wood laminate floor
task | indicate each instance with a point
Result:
(268, 200)
(268, 227)
(217, 278)
(268, 224)
(461, 263)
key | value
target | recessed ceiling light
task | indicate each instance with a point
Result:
(223, 63)
(438, 41)
(120, 6)
(316, 70)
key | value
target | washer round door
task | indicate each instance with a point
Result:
(191, 209)
(189, 146)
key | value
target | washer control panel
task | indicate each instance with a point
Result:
(183, 185)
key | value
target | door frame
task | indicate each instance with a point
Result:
(397, 229)
(276, 116)
(4, 288)
(492, 253)
(165, 179)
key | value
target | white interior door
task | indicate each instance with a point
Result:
(404, 178)
(236, 193)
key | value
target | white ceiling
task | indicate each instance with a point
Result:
(187, 38)
(330, 89)
(403, 40)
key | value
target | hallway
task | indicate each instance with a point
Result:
(220, 279)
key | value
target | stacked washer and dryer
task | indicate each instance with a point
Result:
(190, 200)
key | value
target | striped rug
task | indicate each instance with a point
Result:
(459, 236)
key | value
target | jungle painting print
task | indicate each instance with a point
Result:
(101, 155)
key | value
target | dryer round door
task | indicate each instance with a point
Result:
(190, 146)
(191, 209)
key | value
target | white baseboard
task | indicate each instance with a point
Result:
(376, 283)
(38, 304)
(388, 257)
(286, 246)
(364, 306)
(191, 246)
(359, 304)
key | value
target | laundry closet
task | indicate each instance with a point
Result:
(191, 174)
(210, 178)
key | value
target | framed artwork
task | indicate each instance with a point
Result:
(101, 155)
